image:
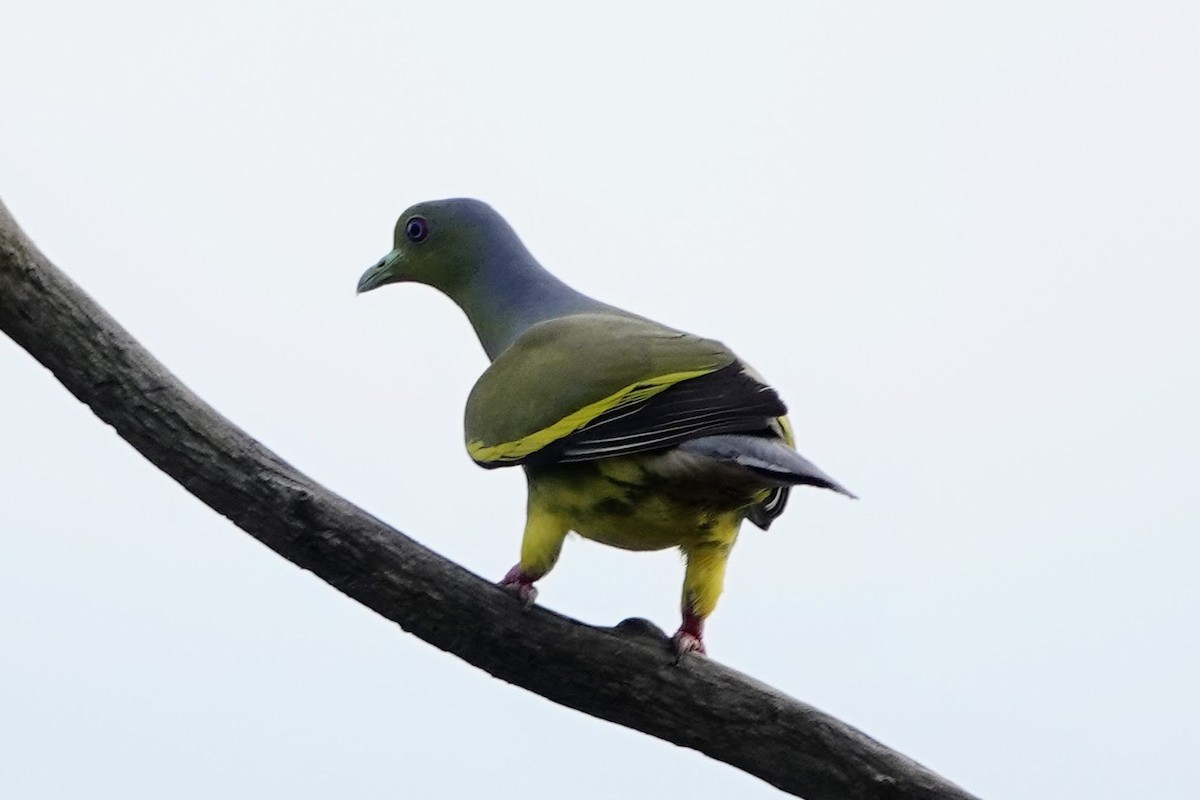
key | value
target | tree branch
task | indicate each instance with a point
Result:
(625, 674)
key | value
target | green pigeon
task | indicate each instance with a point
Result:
(630, 433)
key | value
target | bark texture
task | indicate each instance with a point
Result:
(625, 674)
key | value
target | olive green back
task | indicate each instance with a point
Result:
(561, 366)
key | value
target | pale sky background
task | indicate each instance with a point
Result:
(960, 238)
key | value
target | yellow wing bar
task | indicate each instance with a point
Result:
(634, 393)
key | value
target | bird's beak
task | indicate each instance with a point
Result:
(381, 273)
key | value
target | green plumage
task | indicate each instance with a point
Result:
(573, 362)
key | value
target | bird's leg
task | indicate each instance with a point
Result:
(690, 636)
(702, 584)
(544, 535)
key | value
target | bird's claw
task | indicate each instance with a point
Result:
(520, 585)
(525, 592)
(686, 642)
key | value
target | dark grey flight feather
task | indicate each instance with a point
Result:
(729, 400)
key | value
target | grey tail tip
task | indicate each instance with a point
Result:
(833, 487)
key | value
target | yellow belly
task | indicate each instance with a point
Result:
(619, 503)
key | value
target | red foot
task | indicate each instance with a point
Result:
(690, 636)
(521, 585)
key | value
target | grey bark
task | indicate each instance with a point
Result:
(625, 674)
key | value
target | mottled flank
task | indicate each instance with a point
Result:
(625, 503)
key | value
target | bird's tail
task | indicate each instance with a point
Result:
(769, 459)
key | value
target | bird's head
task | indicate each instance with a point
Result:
(445, 244)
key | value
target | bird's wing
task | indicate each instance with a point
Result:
(591, 386)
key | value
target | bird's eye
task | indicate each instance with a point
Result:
(416, 229)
